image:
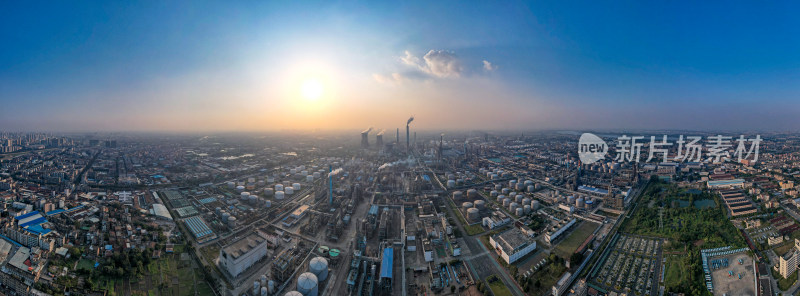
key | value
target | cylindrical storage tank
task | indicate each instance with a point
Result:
(506, 202)
(232, 222)
(531, 188)
(269, 191)
(278, 187)
(270, 180)
(512, 183)
(458, 195)
(459, 181)
(494, 193)
(519, 211)
(240, 188)
(472, 193)
(520, 186)
(264, 291)
(225, 217)
(307, 284)
(466, 205)
(231, 184)
(526, 201)
(480, 204)
(535, 204)
(218, 210)
(296, 186)
(528, 182)
(279, 195)
(500, 198)
(473, 214)
(288, 190)
(304, 173)
(267, 203)
(263, 281)
(518, 198)
(271, 286)
(309, 178)
(505, 191)
(495, 177)
(319, 267)
(527, 208)
(293, 171)
(513, 206)
(571, 200)
(451, 183)
(497, 186)
(579, 203)
(316, 175)
(293, 293)
(256, 287)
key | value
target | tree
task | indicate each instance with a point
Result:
(452, 289)
(575, 259)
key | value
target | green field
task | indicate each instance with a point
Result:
(85, 264)
(675, 273)
(497, 286)
(565, 248)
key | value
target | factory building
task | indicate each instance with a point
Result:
(512, 244)
(243, 253)
(557, 230)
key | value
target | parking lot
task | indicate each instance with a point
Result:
(760, 234)
(726, 279)
(633, 265)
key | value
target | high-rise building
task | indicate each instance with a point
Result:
(788, 263)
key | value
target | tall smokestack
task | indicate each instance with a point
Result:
(408, 140)
(398, 137)
(330, 185)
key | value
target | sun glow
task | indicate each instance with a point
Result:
(312, 89)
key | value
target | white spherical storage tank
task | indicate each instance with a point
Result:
(319, 267)
(279, 195)
(307, 284)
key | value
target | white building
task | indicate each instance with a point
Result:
(497, 219)
(512, 244)
(559, 229)
(243, 253)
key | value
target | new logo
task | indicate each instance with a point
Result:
(591, 148)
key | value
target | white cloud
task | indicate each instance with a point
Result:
(488, 66)
(438, 63)
(394, 78)
(442, 63)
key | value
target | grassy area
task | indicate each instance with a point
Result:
(782, 249)
(565, 248)
(675, 273)
(497, 286)
(784, 283)
(85, 264)
(543, 280)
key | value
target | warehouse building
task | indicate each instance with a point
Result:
(243, 253)
(512, 244)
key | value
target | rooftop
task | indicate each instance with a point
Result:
(244, 245)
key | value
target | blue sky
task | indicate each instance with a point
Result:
(552, 65)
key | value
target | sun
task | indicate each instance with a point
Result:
(312, 89)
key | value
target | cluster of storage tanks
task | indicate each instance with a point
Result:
(581, 202)
(226, 217)
(307, 282)
(494, 173)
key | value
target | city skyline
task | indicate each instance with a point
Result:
(274, 66)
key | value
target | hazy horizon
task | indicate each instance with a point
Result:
(333, 66)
